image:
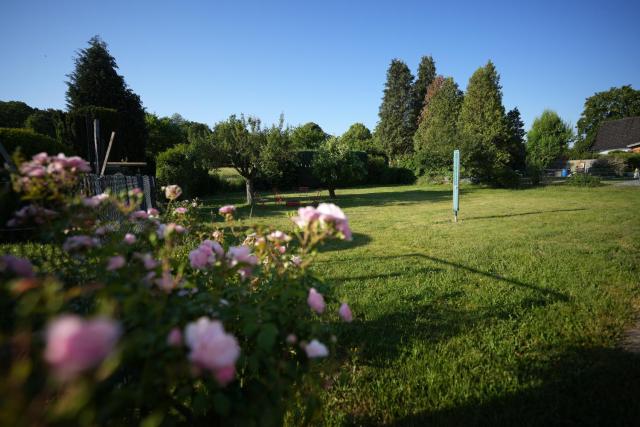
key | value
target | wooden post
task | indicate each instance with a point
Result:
(106, 157)
(96, 136)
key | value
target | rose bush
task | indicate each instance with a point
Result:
(159, 318)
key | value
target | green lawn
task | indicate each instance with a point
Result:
(511, 316)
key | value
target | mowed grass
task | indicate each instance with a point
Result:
(514, 315)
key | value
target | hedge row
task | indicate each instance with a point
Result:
(30, 142)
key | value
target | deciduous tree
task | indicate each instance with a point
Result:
(547, 139)
(616, 103)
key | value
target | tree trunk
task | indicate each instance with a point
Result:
(332, 192)
(250, 192)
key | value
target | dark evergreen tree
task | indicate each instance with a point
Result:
(396, 125)
(95, 82)
(483, 128)
(515, 144)
(426, 75)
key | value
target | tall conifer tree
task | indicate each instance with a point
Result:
(95, 82)
(483, 127)
(396, 125)
(437, 136)
(426, 75)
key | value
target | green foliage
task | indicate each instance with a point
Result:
(610, 165)
(437, 135)
(14, 114)
(358, 137)
(515, 143)
(334, 165)
(30, 143)
(483, 127)
(616, 103)
(95, 83)
(548, 139)
(180, 164)
(426, 75)
(583, 180)
(397, 122)
(164, 133)
(308, 136)
(252, 150)
(41, 122)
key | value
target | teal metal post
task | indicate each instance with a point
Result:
(456, 179)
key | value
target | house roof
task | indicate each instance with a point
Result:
(617, 134)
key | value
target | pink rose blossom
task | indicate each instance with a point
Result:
(330, 213)
(279, 236)
(180, 210)
(172, 192)
(215, 246)
(227, 210)
(75, 345)
(305, 216)
(153, 212)
(345, 312)
(316, 349)
(166, 282)
(139, 215)
(147, 259)
(129, 239)
(174, 339)
(80, 242)
(212, 348)
(217, 235)
(116, 262)
(282, 249)
(95, 201)
(201, 257)
(241, 255)
(19, 266)
(296, 260)
(316, 301)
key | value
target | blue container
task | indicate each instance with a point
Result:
(563, 173)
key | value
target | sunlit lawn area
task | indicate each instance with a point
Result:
(512, 316)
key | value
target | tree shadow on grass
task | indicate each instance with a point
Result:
(583, 387)
(473, 218)
(345, 199)
(381, 340)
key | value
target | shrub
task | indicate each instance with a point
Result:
(399, 175)
(608, 166)
(583, 180)
(177, 164)
(30, 142)
(144, 320)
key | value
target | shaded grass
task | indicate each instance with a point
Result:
(513, 315)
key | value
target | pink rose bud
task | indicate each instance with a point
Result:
(296, 260)
(227, 210)
(129, 239)
(116, 262)
(345, 312)
(291, 339)
(174, 339)
(316, 301)
(225, 375)
(180, 211)
(316, 349)
(75, 345)
(153, 212)
(282, 249)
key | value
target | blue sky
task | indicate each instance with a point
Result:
(322, 61)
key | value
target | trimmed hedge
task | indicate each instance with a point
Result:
(30, 142)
